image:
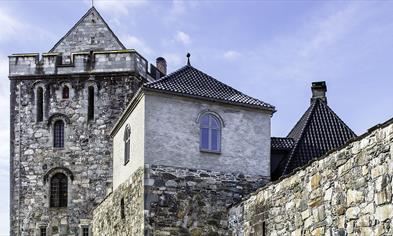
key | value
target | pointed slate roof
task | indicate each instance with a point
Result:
(318, 131)
(91, 32)
(191, 82)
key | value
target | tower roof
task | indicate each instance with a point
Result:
(90, 33)
(318, 131)
(191, 82)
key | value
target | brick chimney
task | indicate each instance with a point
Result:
(161, 65)
(319, 91)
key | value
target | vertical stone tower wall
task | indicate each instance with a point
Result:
(115, 74)
(85, 158)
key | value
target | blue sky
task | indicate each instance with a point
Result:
(271, 50)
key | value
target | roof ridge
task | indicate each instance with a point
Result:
(80, 21)
(306, 124)
(166, 76)
(209, 77)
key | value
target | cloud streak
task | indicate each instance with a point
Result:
(183, 38)
(12, 28)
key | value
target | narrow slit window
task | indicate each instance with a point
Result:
(210, 133)
(127, 144)
(58, 134)
(122, 210)
(40, 104)
(58, 190)
(90, 109)
(66, 92)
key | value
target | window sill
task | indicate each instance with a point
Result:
(210, 151)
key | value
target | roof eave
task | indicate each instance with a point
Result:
(271, 110)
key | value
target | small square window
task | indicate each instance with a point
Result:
(43, 231)
(85, 231)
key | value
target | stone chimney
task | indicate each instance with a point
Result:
(161, 65)
(319, 91)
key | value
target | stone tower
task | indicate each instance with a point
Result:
(63, 106)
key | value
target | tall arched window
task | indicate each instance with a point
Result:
(58, 190)
(90, 105)
(66, 92)
(40, 104)
(210, 133)
(58, 134)
(127, 144)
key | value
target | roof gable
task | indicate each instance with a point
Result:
(188, 81)
(91, 32)
(317, 132)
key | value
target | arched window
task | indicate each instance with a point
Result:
(58, 190)
(90, 105)
(40, 104)
(66, 92)
(127, 145)
(58, 134)
(210, 133)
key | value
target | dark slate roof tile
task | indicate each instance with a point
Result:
(318, 131)
(188, 81)
(282, 144)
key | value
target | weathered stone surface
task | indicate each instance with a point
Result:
(86, 153)
(174, 206)
(356, 199)
(108, 219)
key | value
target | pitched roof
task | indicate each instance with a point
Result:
(188, 81)
(91, 32)
(282, 144)
(318, 131)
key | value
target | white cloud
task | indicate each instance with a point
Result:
(117, 7)
(183, 38)
(12, 28)
(138, 44)
(231, 55)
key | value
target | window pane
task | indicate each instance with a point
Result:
(214, 139)
(205, 121)
(214, 122)
(205, 138)
(58, 134)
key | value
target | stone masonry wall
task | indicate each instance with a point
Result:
(347, 192)
(177, 201)
(182, 201)
(85, 158)
(107, 217)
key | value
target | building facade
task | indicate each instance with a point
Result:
(63, 106)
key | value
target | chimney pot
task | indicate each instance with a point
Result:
(161, 65)
(319, 90)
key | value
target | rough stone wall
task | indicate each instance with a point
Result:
(107, 217)
(347, 192)
(90, 33)
(127, 61)
(85, 159)
(181, 201)
(177, 201)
